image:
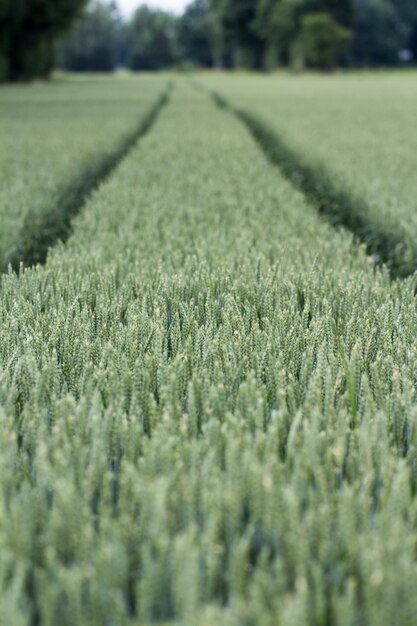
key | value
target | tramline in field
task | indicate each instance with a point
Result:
(349, 141)
(56, 141)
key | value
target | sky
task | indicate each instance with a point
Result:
(176, 6)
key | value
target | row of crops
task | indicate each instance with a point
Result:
(207, 394)
(56, 141)
(349, 142)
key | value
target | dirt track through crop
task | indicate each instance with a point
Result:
(334, 203)
(55, 225)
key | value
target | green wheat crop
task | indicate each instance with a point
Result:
(351, 140)
(208, 410)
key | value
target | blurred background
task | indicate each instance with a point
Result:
(38, 36)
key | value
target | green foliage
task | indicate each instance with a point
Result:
(277, 23)
(56, 144)
(93, 44)
(238, 18)
(28, 29)
(413, 40)
(342, 11)
(325, 134)
(382, 28)
(3, 68)
(151, 40)
(196, 33)
(324, 40)
(269, 31)
(282, 24)
(208, 404)
(377, 39)
(254, 34)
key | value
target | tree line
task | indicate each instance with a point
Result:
(253, 34)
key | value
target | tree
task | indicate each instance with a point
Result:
(280, 22)
(324, 40)
(412, 44)
(151, 40)
(341, 11)
(277, 23)
(406, 10)
(92, 45)
(239, 20)
(28, 29)
(196, 34)
(407, 13)
(381, 29)
(4, 63)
